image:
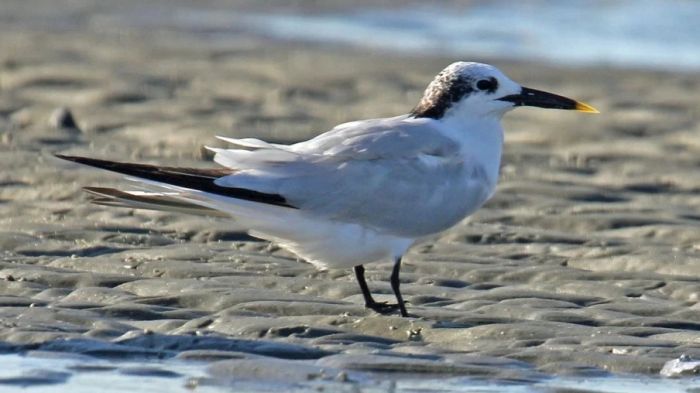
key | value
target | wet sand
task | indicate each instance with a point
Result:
(585, 263)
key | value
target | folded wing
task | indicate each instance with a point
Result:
(393, 174)
(189, 178)
(388, 174)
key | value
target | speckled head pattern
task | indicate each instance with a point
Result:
(452, 84)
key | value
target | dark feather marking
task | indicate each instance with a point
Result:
(192, 178)
(447, 88)
(489, 85)
(102, 195)
(117, 198)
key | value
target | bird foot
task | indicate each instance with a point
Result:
(382, 307)
(385, 308)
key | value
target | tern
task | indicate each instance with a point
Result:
(363, 192)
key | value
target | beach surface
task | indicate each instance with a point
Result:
(585, 263)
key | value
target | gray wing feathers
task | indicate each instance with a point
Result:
(392, 138)
(357, 171)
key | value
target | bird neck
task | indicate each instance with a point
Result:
(481, 140)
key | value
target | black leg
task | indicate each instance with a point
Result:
(360, 275)
(395, 283)
(380, 307)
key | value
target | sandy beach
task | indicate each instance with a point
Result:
(586, 262)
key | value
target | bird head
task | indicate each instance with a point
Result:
(483, 90)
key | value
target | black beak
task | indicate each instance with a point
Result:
(542, 99)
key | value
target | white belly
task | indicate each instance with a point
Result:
(322, 242)
(340, 245)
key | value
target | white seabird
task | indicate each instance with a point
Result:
(362, 192)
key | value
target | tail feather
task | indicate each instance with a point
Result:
(189, 178)
(149, 201)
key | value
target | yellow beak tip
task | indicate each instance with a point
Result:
(583, 107)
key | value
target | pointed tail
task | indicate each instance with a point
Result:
(189, 178)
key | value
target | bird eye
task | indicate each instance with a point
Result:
(487, 84)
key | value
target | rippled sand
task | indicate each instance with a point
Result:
(585, 263)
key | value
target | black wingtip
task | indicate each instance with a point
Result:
(114, 166)
(196, 179)
(64, 157)
(78, 159)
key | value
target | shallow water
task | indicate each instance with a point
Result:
(627, 33)
(654, 34)
(648, 33)
(51, 372)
